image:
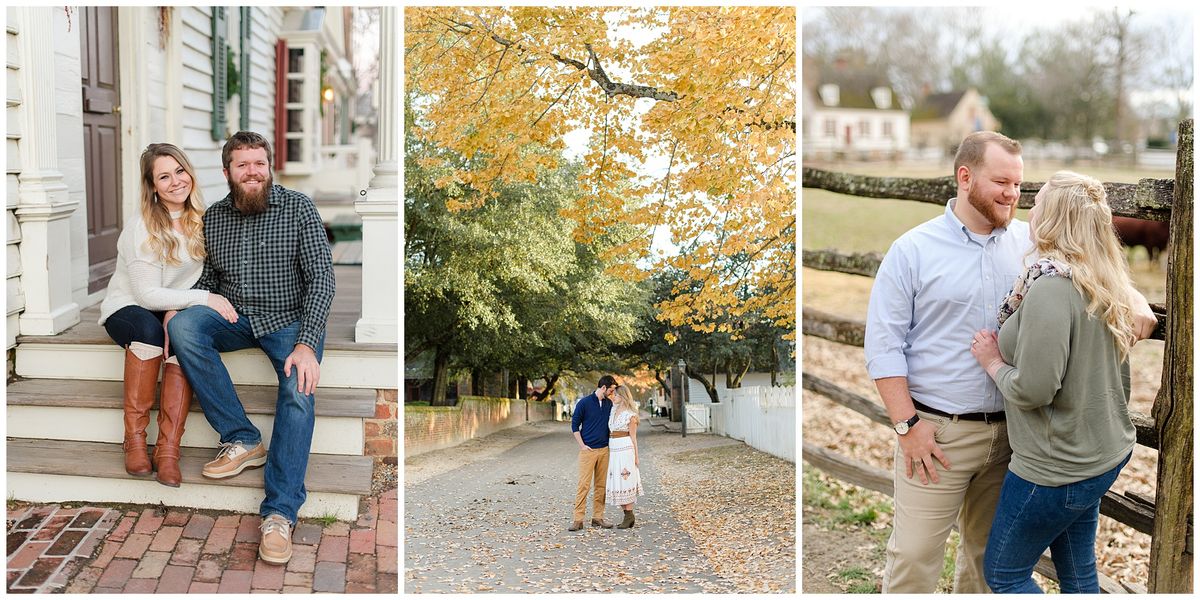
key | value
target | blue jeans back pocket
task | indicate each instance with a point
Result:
(1085, 494)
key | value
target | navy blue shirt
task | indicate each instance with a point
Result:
(591, 420)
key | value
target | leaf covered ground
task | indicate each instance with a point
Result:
(739, 505)
(497, 520)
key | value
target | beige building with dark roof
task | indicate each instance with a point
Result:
(940, 121)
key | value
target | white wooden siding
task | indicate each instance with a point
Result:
(196, 116)
(14, 298)
(267, 23)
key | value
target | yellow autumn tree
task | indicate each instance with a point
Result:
(689, 116)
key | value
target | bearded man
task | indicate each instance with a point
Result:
(267, 254)
(938, 284)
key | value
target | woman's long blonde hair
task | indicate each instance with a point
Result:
(158, 219)
(1074, 226)
(624, 400)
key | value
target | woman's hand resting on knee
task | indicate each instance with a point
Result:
(218, 303)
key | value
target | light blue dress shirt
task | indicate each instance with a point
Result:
(939, 284)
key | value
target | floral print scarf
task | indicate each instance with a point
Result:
(1043, 266)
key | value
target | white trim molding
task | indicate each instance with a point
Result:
(379, 208)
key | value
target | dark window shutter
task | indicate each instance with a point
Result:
(244, 121)
(281, 156)
(220, 60)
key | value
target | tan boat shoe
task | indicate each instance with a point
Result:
(234, 458)
(275, 546)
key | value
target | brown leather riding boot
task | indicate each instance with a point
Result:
(141, 379)
(175, 400)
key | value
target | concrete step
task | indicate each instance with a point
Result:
(61, 471)
(365, 366)
(92, 411)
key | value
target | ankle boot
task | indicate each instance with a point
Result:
(141, 378)
(628, 521)
(175, 400)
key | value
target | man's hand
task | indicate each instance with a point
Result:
(919, 446)
(218, 303)
(308, 370)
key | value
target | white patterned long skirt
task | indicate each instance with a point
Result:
(624, 479)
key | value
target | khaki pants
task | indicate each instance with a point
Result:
(978, 453)
(593, 472)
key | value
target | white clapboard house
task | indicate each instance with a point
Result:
(88, 88)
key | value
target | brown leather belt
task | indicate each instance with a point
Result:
(617, 434)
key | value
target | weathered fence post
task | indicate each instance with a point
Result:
(1170, 550)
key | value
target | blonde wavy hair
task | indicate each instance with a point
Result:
(1074, 226)
(158, 219)
(624, 399)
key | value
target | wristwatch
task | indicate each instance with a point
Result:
(903, 426)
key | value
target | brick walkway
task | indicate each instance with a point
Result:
(102, 550)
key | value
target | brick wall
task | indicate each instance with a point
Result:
(379, 433)
(428, 428)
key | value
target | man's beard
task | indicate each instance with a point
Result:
(249, 203)
(989, 209)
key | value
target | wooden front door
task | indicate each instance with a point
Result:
(101, 139)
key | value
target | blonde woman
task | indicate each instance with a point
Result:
(159, 257)
(1061, 362)
(624, 477)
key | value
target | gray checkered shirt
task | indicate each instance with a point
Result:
(274, 267)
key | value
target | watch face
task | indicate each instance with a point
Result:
(902, 427)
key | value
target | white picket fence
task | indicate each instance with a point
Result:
(763, 417)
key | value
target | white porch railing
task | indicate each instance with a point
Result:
(344, 169)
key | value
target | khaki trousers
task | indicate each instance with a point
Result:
(978, 453)
(593, 473)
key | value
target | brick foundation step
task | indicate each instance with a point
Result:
(91, 411)
(60, 471)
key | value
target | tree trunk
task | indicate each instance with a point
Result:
(548, 393)
(441, 376)
(736, 381)
(522, 387)
(512, 388)
(1170, 560)
(774, 365)
(663, 381)
(476, 383)
(708, 387)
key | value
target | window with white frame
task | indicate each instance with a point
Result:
(300, 93)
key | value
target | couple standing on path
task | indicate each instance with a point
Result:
(608, 453)
(254, 270)
(1016, 435)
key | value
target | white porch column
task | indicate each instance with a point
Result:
(380, 321)
(43, 207)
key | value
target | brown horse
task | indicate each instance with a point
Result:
(1153, 235)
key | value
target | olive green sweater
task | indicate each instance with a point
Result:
(1066, 392)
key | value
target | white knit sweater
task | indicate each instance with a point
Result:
(143, 279)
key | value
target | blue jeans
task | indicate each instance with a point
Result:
(199, 335)
(1031, 518)
(136, 324)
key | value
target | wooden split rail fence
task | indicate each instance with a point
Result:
(1167, 517)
